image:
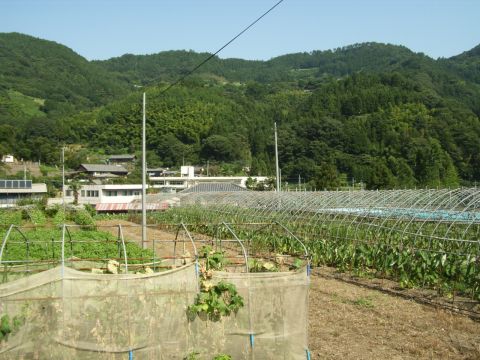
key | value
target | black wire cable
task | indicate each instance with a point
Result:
(223, 47)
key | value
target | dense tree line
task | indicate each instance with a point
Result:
(371, 113)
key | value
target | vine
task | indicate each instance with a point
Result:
(214, 300)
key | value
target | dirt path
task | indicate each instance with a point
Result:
(351, 322)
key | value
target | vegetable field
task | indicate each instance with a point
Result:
(422, 238)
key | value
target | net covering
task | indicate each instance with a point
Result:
(63, 313)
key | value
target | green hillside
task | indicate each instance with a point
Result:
(50, 71)
(376, 113)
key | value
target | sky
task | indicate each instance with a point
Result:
(101, 29)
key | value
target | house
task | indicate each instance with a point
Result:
(155, 172)
(125, 159)
(109, 197)
(100, 171)
(188, 179)
(111, 193)
(8, 159)
(13, 190)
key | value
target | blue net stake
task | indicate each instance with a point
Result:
(309, 270)
(308, 354)
(252, 340)
(130, 355)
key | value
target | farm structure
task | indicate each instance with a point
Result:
(422, 238)
(93, 292)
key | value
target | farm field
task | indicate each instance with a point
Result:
(353, 322)
(350, 322)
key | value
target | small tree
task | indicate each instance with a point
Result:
(75, 187)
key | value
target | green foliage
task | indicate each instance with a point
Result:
(215, 301)
(222, 357)
(9, 217)
(60, 217)
(411, 258)
(83, 217)
(194, 356)
(10, 326)
(256, 265)
(214, 260)
(34, 215)
(372, 113)
(87, 244)
(90, 209)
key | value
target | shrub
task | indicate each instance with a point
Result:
(83, 217)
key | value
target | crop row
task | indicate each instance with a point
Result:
(440, 255)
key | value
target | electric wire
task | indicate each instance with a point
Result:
(218, 51)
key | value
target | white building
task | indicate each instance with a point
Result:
(188, 179)
(12, 191)
(105, 194)
(8, 159)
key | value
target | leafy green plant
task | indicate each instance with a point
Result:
(10, 326)
(83, 217)
(255, 265)
(90, 209)
(9, 217)
(222, 357)
(60, 217)
(36, 216)
(215, 301)
(214, 260)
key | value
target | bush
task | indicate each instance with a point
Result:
(52, 211)
(9, 217)
(91, 209)
(34, 215)
(83, 217)
(60, 217)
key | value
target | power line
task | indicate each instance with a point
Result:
(223, 47)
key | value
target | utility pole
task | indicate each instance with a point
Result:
(144, 185)
(276, 159)
(63, 179)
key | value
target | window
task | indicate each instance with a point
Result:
(176, 182)
(82, 193)
(69, 193)
(92, 193)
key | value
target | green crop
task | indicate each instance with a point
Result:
(407, 252)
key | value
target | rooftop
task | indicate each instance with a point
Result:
(214, 187)
(122, 157)
(104, 168)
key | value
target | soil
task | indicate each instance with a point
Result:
(349, 321)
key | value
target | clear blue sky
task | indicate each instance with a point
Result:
(100, 29)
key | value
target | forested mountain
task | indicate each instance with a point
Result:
(376, 113)
(62, 79)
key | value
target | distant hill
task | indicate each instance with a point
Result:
(168, 65)
(377, 113)
(54, 73)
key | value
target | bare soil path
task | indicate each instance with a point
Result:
(350, 322)
(347, 321)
